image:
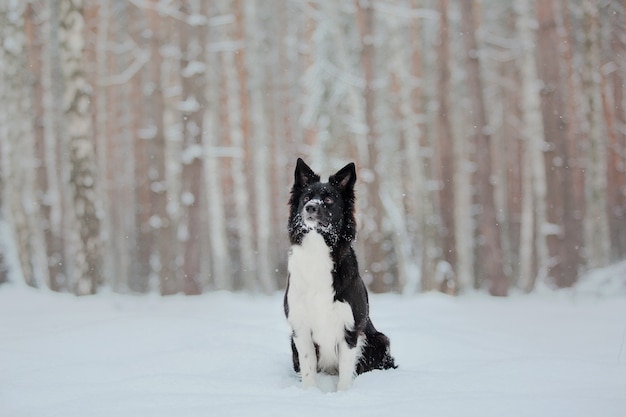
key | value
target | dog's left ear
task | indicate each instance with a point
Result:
(345, 177)
(304, 175)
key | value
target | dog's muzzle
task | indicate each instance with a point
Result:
(311, 213)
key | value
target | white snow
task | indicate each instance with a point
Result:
(607, 281)
(190, 105)
(224, 354)
(193, 68)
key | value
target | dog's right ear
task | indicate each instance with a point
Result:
(304, 175)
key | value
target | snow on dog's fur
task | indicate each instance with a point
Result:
(326, 301)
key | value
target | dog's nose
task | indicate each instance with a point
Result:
(311, 208)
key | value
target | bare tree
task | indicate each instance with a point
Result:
(597, 234)
(532, 238)
(256, 39)
(18, 147)
(83, 175)
(489, 237)
(142, 133)
(564, 262)
(215, 175)
(375, 234)
(445, 142)
(238, 122)
(613, 79)
(161, 221)
(192, 35)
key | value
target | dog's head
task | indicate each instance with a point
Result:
(326, 207)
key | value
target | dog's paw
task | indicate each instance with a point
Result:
(344, 384)
(308, 381)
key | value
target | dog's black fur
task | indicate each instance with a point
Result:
(337, 224)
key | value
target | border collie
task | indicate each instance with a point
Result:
(326, 301)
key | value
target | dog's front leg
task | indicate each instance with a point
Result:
(347, 365)
(306, 357)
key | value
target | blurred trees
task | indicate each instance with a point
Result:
(149, 144)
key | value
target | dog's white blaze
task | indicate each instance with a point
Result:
(314, 315)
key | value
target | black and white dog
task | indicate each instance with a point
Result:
(326, 301)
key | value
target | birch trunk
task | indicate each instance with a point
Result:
(102, 141)
(50, 180)
(83, 177)
(214, 176)
(532, 240)
(19, 145)
(33, 106)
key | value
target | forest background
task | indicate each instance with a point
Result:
(149, 145)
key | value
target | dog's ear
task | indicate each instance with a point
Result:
(345, 177)
(304, 175)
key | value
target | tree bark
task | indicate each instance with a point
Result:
(237, 102)
(192, 37)
(377, 265)
(564, 263)
(19, 143)
(161, 222)
(596, 221)
(83, 175)
(488, 233)
(260, 145)
(142, 138)
(445, 142)
(532, 239)
(615, 120)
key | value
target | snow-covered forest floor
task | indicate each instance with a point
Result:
(223, 354)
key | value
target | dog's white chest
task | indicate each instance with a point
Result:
(311, 298)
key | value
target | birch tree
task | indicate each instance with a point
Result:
(83, 175)
(532, 238)
(18, 148)
(50, 181)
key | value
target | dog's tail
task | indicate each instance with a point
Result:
(375, 353)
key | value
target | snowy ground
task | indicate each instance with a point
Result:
(228, 355)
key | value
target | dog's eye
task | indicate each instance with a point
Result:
(328, 200)
(306, 199)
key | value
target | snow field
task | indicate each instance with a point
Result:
(224, 354)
